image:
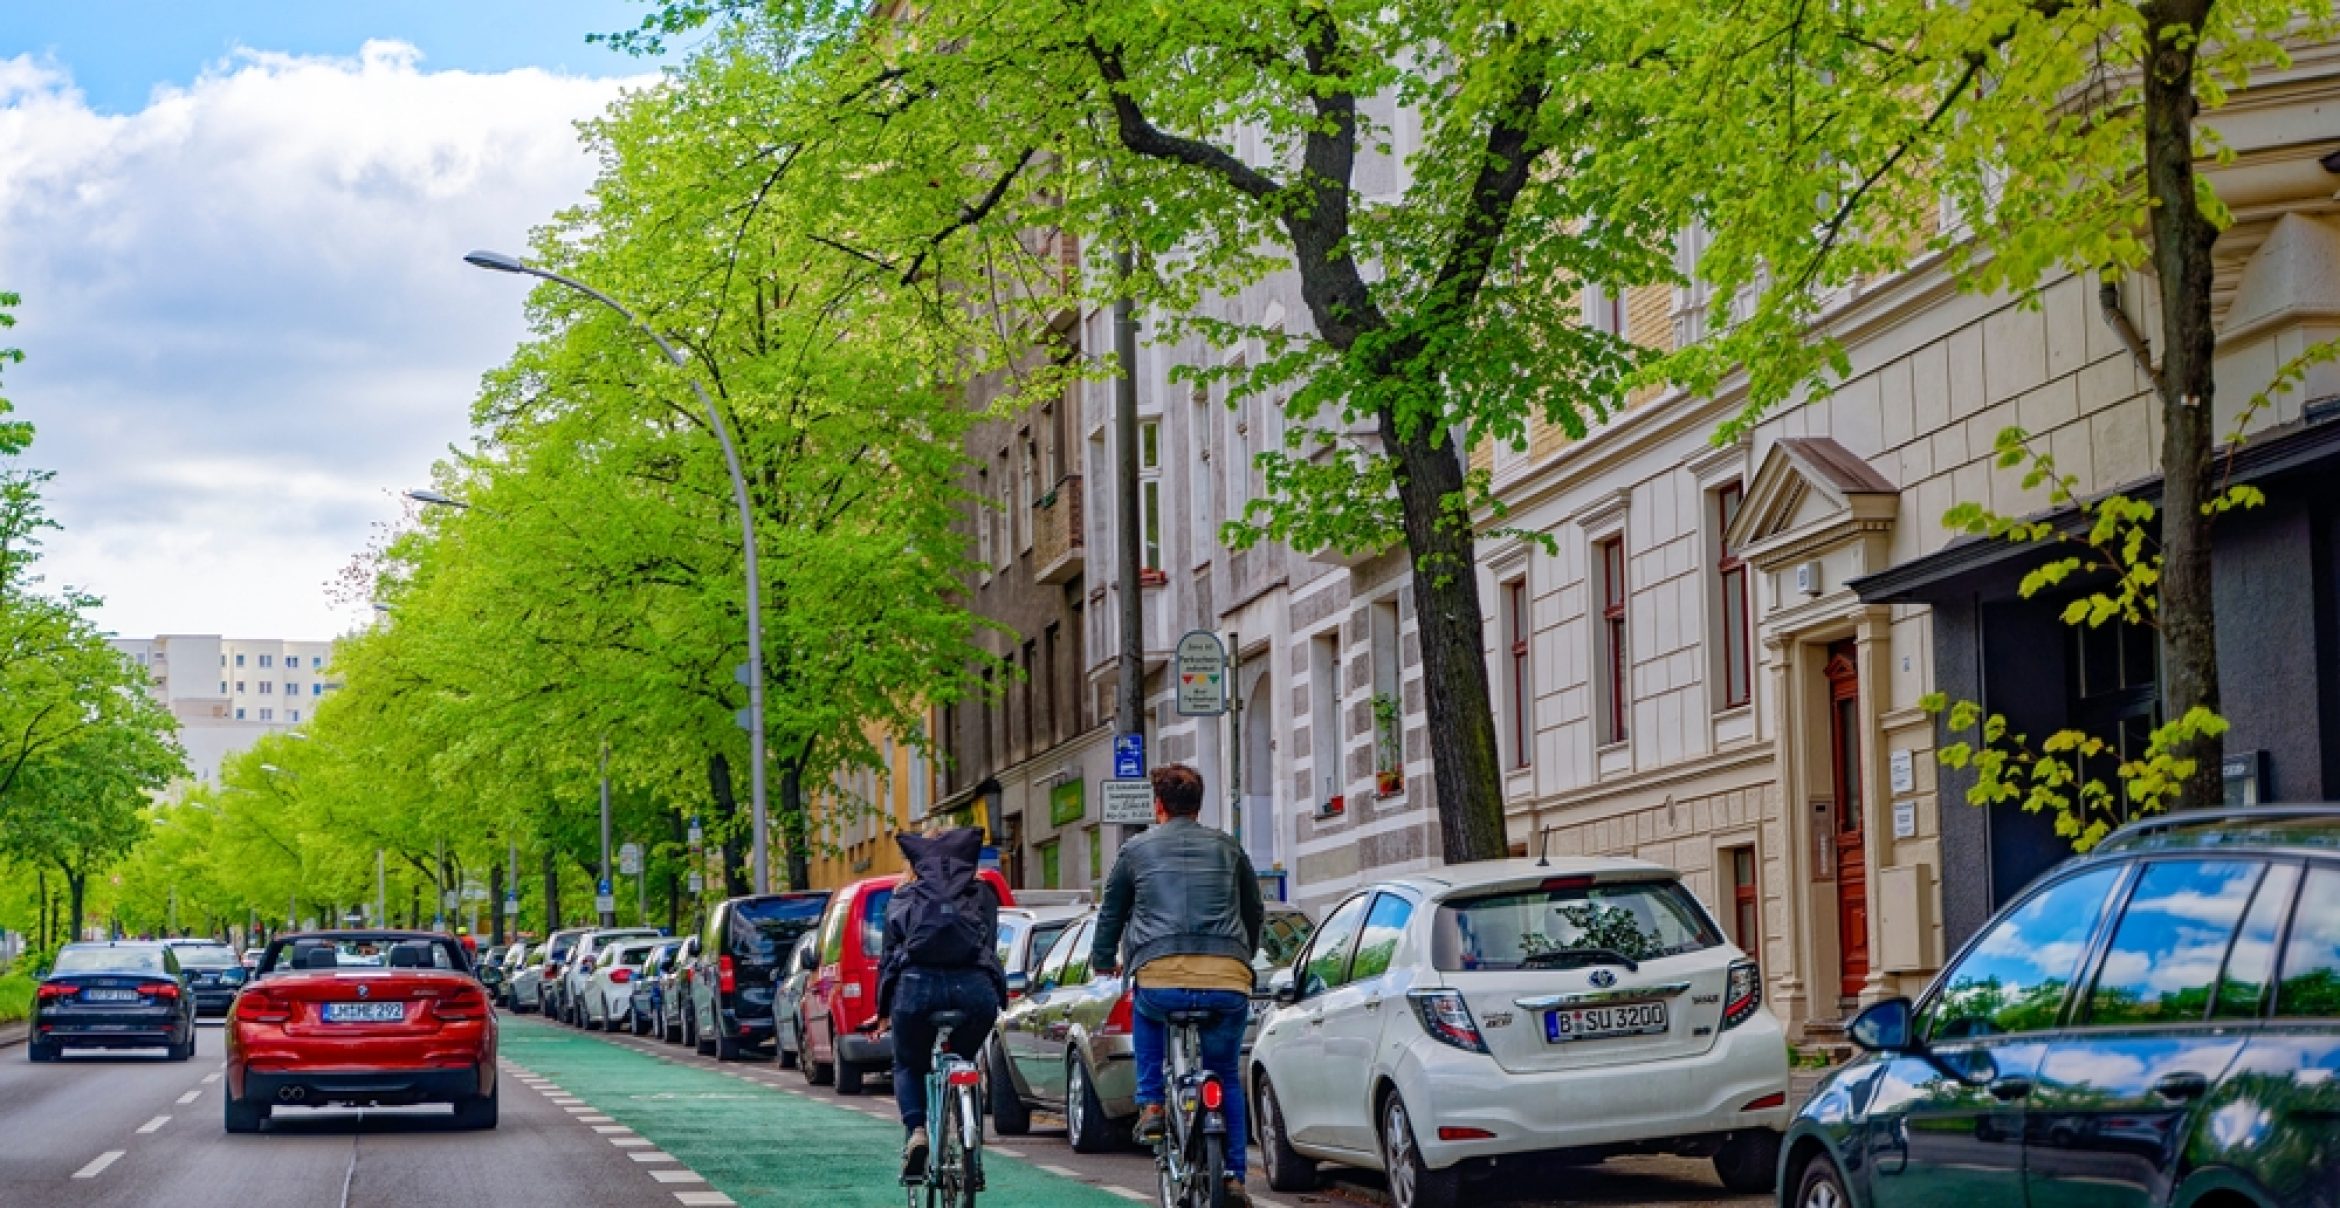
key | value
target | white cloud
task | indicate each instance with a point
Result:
(245, 313)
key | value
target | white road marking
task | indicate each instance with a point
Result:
(189, 1097)
(579, 1110)
(153, 1124)
(704, 1199)
(677, 1176)
(595, 1120)
(612, 1130)
(1058, 1171)
(98, 1164)
(653, 1155)
(627, 1142)
(208, 1079)
(1126, 1193)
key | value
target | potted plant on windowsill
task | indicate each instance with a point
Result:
(1389, 746)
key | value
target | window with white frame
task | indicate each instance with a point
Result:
(1324, 708)
(1513, 618)
(1611, 656)
(983, 524)
(1029, 490)
(1604, 310)
(1734, 671)
(1150, 494)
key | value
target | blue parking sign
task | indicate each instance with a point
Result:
(1129, 756)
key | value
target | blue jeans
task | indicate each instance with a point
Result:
(1222, 1051)
(924, 992)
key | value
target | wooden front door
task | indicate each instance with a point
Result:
(1852, 864)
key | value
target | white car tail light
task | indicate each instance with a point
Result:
(1745, 994)
(1447, 1018)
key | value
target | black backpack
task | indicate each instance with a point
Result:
(943, 906)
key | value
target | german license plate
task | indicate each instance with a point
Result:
(99, 994)
(1596, 1023)
(365, 1012)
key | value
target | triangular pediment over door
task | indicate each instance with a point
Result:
(1813, 500)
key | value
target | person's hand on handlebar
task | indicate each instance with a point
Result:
(878, 1025)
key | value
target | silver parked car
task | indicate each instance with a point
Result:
(674, 993)
(1063, 1045)
(524, 988)
(645, 989)
(790, 981)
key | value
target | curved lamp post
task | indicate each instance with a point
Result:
(753, 673)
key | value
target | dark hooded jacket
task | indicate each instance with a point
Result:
(951, 860)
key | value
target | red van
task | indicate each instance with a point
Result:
(843, 993)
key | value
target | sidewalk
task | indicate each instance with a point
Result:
(13, 1033)
(760, 1146)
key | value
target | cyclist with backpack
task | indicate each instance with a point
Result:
(940, 954)
(1184, 903)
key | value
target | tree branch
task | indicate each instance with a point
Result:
(1144, 138)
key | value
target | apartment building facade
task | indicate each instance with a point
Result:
(227, 692)
(1720, 665)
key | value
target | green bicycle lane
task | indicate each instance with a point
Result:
(763, 1147)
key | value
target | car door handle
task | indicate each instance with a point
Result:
(2010, 1088)
(2179, 1087)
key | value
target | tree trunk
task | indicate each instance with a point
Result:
(793, 830)
(76, 885)
(2182, 240)
(735, 875)
(496, 899)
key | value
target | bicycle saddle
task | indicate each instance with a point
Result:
(947, 1019)
(1198, 1018)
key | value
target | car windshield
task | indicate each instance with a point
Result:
(1566, 922)
(763, 929)
(205, 956)
(108, 959)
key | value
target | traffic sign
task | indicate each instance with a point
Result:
(698, 883)
(512, 905)
(630, 859)
(1129, 756)
(697, 836)
(605, 904)
(603, 887)
(1201, 663)
(1129, 802)
(449, 899)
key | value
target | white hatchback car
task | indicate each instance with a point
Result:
(609, 990)
(1445, 1022)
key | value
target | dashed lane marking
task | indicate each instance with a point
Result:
(189, 1097)
(210, 1078)
(628, 1142)
(652, 1155)
(153, 1124)
(612, 1130)
(704, 1199)
(677, 1176)
(1126, 1193)
(98, 1164)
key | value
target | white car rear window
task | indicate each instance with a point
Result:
(1562, 924)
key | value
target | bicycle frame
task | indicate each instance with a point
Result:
(953, 1126)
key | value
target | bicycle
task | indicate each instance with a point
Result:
(1191, 1157)
(954, 1128)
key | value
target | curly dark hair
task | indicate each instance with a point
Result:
(1179, 788)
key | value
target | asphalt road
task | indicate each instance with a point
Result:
(134, 1131)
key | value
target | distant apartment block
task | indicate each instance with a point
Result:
(227, 692)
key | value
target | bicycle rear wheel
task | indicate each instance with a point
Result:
(1214, 1173)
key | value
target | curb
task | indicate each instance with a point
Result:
(14, 1033)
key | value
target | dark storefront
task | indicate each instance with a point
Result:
(2279, 650)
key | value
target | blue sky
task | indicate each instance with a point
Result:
(237, 226)
(119, 50)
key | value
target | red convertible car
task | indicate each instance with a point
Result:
(362, 1017)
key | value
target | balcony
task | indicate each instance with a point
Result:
(1057, 553)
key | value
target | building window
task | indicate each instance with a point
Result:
(1032, 739)
(1031, 490)
(1518, 692)
(316, 689)
(1150, 494)
(239, 685)
(1616, 704)
(2115, 686)
(267, 660)
(1048, 678)
(294, 715)
(268, 715)
(239, 660)
(1051, 865)
(239, 715)
(316, 662)
(267, 687)
(1324, 726)
(1737, 678)
(223, 687)
(1604, 310)
(1746, 900)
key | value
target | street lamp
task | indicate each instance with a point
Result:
(431, 498)
(754, 672)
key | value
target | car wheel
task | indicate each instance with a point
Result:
(1821, 1186)
(39, 1053)
(816, 1073)
(1085, 1122)
(726, 1049)
(184, 1051)
(783, 1052)
(245, 1115)
(1412, 1184)
(1010, 1115)
(477, 1112)
(847, 1080)
(1748, 1162)
(1286, 1169)
(701, 1043)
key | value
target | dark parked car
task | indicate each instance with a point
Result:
(674, 994)
(2154, 1023)
(121, 995)
(740, 949)
(788, 986)
(214, 973)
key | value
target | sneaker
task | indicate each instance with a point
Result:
(914, 1156)
(1236, 1196)
(1152, 1124)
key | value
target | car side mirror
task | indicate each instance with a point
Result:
(1885, 1027)
(587, 967)
(1018, 985)
(1283, 987)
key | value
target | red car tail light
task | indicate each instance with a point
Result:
(1447, 1018)
(1118, 1022)
(259, 1006)
(727, 975)
(463, 1005)
(159, 989)
(1465, 1134)
(1746, 994)
(1774, 1099)
(51, 990)
(621, 976)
